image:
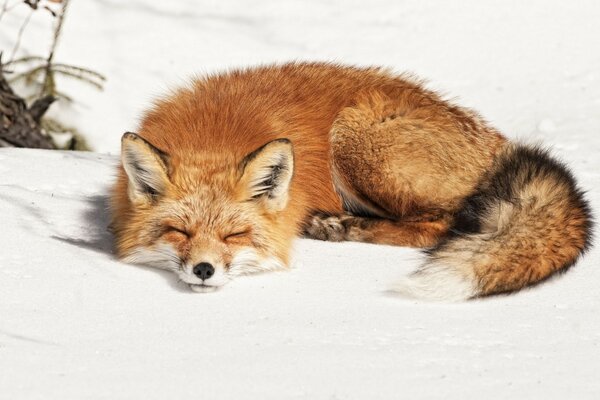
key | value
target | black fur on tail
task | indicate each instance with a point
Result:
(517, 169)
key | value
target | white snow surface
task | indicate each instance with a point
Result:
(75, 323)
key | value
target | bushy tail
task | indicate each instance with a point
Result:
(526, 221)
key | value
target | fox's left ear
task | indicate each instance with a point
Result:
(146, 167)
(266, 174)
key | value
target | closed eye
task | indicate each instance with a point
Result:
(237, 235)
(173, 229)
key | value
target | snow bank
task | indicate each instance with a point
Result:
(75, 323)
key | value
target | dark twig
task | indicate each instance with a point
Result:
(40, 106)
(20, 126)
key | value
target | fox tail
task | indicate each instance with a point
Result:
(526, 221)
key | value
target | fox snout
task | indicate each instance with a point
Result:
(204, 270)
(206, 275)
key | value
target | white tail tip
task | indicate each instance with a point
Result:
(436, 282)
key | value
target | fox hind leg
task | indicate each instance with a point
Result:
(402, 167)
(346, 227)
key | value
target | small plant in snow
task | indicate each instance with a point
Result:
(38, 74)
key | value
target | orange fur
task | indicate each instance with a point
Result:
(375, 157)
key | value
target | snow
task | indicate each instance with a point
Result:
(76, 323)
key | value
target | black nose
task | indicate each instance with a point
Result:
(204, 270)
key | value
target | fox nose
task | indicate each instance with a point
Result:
(204, 270)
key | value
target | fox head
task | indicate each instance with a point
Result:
(206, 217)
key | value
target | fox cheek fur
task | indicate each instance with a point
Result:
(206, 228)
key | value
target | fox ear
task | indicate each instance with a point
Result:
(267, 174)
(146, 168)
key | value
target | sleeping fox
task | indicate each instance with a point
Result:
(224, 174)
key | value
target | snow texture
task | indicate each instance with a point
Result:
(75, 323)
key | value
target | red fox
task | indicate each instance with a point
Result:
(225, 173)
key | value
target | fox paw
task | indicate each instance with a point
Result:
(323, 227)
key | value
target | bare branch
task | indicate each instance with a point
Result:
(25, 59)
(81, 70)
(20, 34)
(48, 85)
